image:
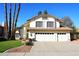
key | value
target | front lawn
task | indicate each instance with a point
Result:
(4, 45)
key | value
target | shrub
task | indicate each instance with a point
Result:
(30, 43)
(2, 39)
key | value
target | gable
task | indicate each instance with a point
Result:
(40, 18)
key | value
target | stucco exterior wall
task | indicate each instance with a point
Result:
(57, 24)
(31, 35)
(24, 32)
(33, 23)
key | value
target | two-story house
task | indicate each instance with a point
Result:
(45, 27)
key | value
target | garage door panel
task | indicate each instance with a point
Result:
(62, 37)
(45, 37)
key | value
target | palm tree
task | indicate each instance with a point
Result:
(6, 22)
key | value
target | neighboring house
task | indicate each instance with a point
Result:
(1, 32)
(45, 27)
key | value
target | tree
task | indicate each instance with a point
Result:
(10, 21)
(40, 13)
(13, 22)
(5, 22)
(10, 30)
(67, 22)
(74, 29)
(45, 12)
(16, 19)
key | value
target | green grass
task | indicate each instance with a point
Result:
(4, 45)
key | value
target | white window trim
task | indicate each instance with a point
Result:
(47, 24)
(39, 21)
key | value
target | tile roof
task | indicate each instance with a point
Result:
(43, 15)
(61, 28)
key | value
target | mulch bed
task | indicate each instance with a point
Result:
(23, 48)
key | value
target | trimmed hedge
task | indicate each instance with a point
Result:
(2, 39)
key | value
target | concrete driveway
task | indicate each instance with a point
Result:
(50, 49)
(54, 49)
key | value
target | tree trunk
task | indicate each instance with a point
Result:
(5, 22)
(17, 15)
(13, 27)
(10, 22)
(16, 19)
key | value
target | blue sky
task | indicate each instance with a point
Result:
(60, 10)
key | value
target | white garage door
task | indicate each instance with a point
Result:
(62, 37)
(45, 37)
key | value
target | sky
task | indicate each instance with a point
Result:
(28, 10)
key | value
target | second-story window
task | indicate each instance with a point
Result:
(39, 23)
(50, 24)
